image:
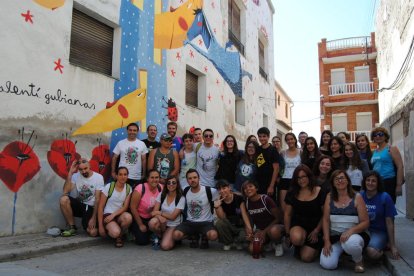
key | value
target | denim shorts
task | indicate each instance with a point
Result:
(378, 240)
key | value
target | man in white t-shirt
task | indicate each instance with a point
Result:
(87, 185)
(200, 209)
(132, 155)
(207, 158)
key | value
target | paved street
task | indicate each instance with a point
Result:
(133, 260)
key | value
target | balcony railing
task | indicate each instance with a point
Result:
(354, 134)
(351, 88)
(351, 42)
(237, 43)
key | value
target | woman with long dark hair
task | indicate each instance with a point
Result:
(167, 213)
(228, 160)
(336, 151)
(303, 214)
(364, 148)
(326, 136)
(322, 170)
(310, 153)
(247, 168)
(356, 167)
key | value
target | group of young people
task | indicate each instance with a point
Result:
(320, 200)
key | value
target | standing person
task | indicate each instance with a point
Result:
(200, 209)
(262, 218)
(251, 138)
(303, 214)
(326, 136)
(207, 157)
(132, 155)
(113, 217)
(164, 159)
(198, 135)
(228, 160)
(87, 184)
(188, 158)
(364, 148)
(277, 143)
(167, 213)
(302, 137)
(324, 166)
(381, 212)
(267, 164)
(247, 168)
(310, 153)
(229, 224)
(150, 142)
(344, 136)
(172, 131)
(336, 149)
(292, 160)
(356, 168)
(345, 220)
(387, 161)
(142, 204)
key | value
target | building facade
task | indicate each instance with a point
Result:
(77, 72)
(394, 40)
(348, 84)
(283, 106)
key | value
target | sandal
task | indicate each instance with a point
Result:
(119, 242)
(359, 267)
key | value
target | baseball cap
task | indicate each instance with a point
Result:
(165, 136)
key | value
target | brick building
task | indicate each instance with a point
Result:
(348, 84)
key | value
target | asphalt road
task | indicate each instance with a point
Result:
(105, 259)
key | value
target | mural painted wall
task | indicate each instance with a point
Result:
(53, 112)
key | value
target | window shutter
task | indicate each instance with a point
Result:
(91, 43)
(191, 92)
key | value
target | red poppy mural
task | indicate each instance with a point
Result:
(101, 161)
(61, 155)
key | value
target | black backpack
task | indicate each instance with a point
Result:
(143, 189)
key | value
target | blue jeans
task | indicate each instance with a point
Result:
(378, 240)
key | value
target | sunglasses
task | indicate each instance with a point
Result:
(83, 161)
(379, 134)
(170, 183)
(168, 140)
(208, 136)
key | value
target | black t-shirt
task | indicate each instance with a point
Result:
(265, 160)
(151, 145)
(227, 166)
(232, 210)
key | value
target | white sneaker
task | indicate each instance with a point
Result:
(226, 247)
(278, 250)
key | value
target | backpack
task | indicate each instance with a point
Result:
(209, 196)
(262, 197)
(112, 188)
(143, 189)
(177, 199)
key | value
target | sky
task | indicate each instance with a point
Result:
(298, 26)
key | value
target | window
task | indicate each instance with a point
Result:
(286, 110)
(338, 85)
(191, 89)
(262, 67)
(234, 16)
(364, 121)
(265, 120)
(362, 83)
(195, 89)
(91, 43)
(240, 111)
(278, 99)
(339, 122)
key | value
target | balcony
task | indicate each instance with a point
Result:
(351, 42)
(354, 134)
(351, 88)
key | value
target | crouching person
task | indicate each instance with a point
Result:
(81, 180)
(200, 209)
(113, 217)
(262, 212)
(229, 224)
(167, 213)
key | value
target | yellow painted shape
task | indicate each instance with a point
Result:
(135, 105)
(168, 32)
(50, 4)
(139, 4)
(157, 52)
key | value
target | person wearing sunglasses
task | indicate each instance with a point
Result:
(164, 159)
(207, 158)
(166, 215)
(387, 161)
(87, 185)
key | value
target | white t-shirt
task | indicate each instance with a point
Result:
(170, 209)
(86, 187)
(355, 175)
(290, 164)
(198, 207)
(130, 156)
(117, 199)
(207, 158)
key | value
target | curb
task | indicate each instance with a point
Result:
(397, 267)
(45, 249)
